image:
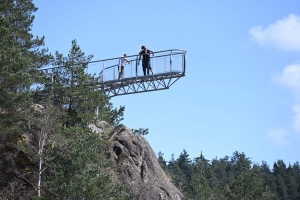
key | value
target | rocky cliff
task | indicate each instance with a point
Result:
(138, 169)
(136, 165)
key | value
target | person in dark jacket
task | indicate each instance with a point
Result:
(146, 60)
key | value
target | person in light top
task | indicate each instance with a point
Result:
(122, 63)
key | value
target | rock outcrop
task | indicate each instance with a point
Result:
(138, 168)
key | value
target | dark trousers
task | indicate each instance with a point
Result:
(121, 71)
(146, 66)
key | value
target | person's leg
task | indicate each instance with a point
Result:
(144, 68)
(122, 71)
(151, 70)
(119, 72)
(148, 67)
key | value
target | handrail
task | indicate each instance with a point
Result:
(129, 60)
(108, 73)
(138, 55)
(171, 50)
(182, 51)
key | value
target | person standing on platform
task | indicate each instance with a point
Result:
(122, 63)
(146, 59)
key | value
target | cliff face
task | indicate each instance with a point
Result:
(138, 168)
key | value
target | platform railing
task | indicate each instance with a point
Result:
(167, 61)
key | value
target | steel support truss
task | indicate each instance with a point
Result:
(140, 84)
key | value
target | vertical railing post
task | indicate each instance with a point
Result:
(171, 61)
(131, 69)
(165, 63)
(136, 67)
(183, 61)
(153, 59)
(115, 73)
(103, 72)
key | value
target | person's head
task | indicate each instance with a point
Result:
(143, 47)
(125, 55)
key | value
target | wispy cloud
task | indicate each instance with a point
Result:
(290, 77)
(283, 34)
(278, 136)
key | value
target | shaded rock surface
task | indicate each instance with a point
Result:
(138, 168)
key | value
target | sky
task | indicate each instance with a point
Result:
(241, 91)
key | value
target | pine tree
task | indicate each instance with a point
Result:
(182, 172)
(247, 184)
(79, 168)
(279, 170)
(21, 55)
(200, 188)
(162, 162)
(76, 92)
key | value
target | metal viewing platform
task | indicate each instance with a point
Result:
(168, 66)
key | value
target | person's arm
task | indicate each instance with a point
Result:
(151, 52)
(126, 59)
(139, 57)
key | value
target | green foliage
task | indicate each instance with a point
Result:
(20, 57)
(231, 178)
(162, 162)
(79, 168)
(199, 185)
(140, 131)
(76, 92)
(27, 136)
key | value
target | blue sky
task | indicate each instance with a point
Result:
(241, 91)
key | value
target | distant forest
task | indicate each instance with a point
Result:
(235, 177)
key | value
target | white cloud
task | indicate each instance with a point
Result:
(278, 136)
(290, 77)
(296, 122)
(283, 34)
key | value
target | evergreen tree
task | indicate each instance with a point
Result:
(140, 131)
(221, 172)
(21, 55)
(279, 170)
(267, 179)
(79, 168)
(183, 172)
(291, 182)
(76, 92)
(247, 184)
(200, 188)
(162, 162)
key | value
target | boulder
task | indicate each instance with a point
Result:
(138, 169)
(101, 127)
